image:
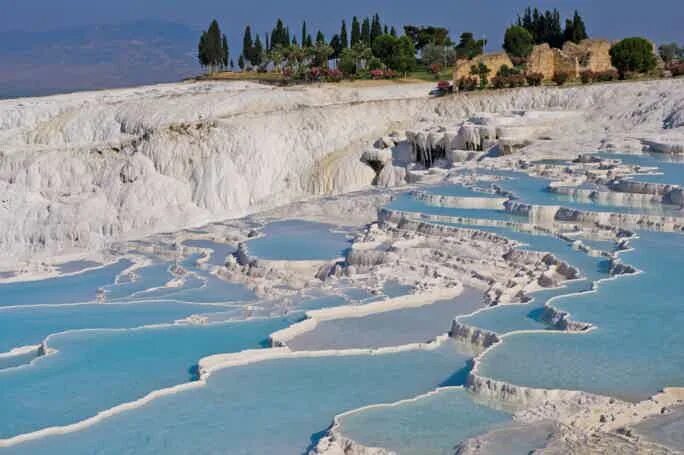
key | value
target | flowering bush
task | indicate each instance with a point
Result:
(377, 74)
(314, 74)
(334, 75)
(391, 74)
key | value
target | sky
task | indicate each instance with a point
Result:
(660, 20)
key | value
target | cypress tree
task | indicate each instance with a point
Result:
(336, 45)
(241, 62)
(320, 38)
(258, 52)
(344, 40)
(202, 50)
(393, 31)
(355, 32)
(579, 29)
(366, 32)
(247, 45)
(268, 42)
(385, 30)
(376, 28)
(225, 51)
(304, 33)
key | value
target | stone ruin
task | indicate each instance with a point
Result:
(492, 61)
(589, 54)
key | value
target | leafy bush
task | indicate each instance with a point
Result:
(587, 76)
(561, 77)
(467, 84)
(633, 55)
(534, 79)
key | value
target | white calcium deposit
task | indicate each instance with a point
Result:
(82, 170)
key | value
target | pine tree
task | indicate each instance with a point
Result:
(344, 40)
(320, 38)
(376, 28)
(366, 32)
(212, 49)
(355, 32)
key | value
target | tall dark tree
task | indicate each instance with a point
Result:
(226, 51)
(258, 56)
(268, 41)
(424, 35)
(344, 39)
(305, 34)
(366, 32)
(393, 31)
(575, 30)
(320, 38)
(247, 45)
(468, 47)
(212, 50)
(241, 62)
(376, 28)
(202, 55)
(355, 32)
(280, 36)
(336, 44)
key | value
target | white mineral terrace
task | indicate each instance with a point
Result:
(132, 174)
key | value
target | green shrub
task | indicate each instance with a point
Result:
(518, 42)
(633, 55)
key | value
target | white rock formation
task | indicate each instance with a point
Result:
(82, 170)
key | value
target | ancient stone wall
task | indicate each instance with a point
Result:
(492, 61)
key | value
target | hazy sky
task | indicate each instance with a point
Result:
(660, 20)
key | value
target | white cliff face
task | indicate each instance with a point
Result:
(82, 170)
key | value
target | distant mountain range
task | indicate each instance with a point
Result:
(95, 57)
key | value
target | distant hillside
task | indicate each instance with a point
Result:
(94, 57)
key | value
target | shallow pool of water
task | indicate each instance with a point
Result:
(94, 370)
(277, 406)
(429, 425)
(297, 240)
